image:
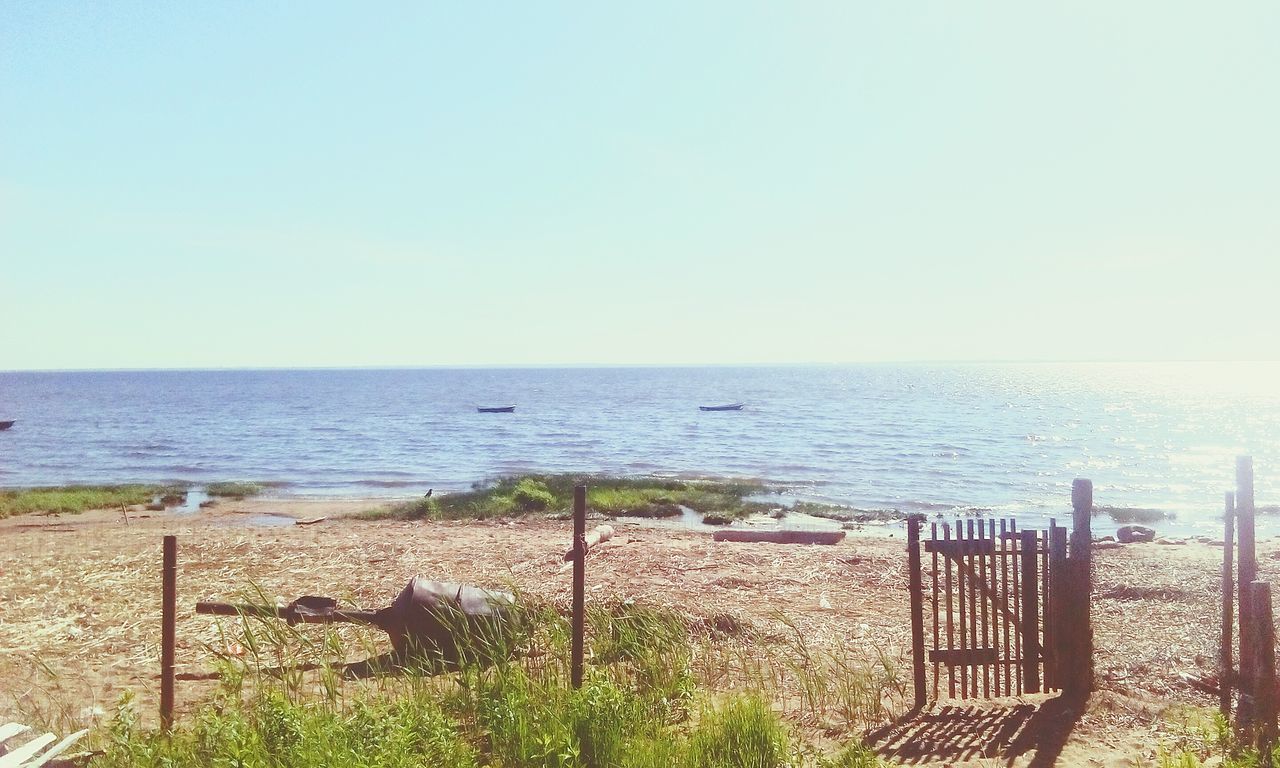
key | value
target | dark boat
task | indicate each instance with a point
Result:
(729, 407)
(496, 408)
(5, 425)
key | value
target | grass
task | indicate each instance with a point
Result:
(234, 489)
(1132, 514)
(612, 496)
(641, 706)
(78, 498)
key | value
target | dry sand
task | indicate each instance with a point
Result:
(79, 622)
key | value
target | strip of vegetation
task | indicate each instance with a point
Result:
(611, 496)
(848, 514)
(69, 499)
(639, 707)
(1132, 514)
(234, 489)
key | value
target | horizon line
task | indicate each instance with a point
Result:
(603, 366)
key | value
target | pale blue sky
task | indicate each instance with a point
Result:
(259, 184)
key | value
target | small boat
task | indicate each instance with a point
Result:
(5, 425)
(729, 407)
(496, 408)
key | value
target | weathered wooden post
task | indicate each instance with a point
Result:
(1030, 613)
(579, 582)
(1246, 572)
(168, 630)
(1263, 645)
(1078, 680)
(1058, 618)
(916, 585)
(1226, 673)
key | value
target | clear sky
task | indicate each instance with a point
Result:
(281, 184)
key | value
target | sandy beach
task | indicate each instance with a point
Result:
(80, 623)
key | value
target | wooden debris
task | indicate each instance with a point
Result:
(779, 537)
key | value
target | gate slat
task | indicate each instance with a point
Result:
(951, 672)
(1015, 569)
(986, 598)
(933, 536)
(964, 613)
(973, 610)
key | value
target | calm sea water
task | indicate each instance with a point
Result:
(917, 437)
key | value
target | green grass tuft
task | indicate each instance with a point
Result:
(75, 498)
(234, 489)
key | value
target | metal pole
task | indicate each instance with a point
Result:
(168, 633)
(579, 581)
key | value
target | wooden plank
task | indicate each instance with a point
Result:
(1078, 679)
(951, 673)
(789, 536)
(1030, 629)
(168, 629)
(1225, 671)
(969, 657)
(933, 535)
(974, 585)
(983, 623)
(916, 586)
(1015, 569)
(1263, 644)
(961, 548)
(1004, 603)
(9, 730)
(1056, 629)
(1246, 573)
(15, 758)
(58, 749)
(963, 599)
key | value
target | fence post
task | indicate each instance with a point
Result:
(1246, 572)
(1226, 675)
(1030, 613)
(1263, 644)
(1058, 615)
(579, 581)
(168, 630)
(916, 585)
(1078, 680)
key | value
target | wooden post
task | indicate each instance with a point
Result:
(1226, 672)
(916, 585)
(579, 581)
(1030, 613)
(1078, 678)
(1058, 617)
(1246, 572)
(1263, 644)
(168, 633)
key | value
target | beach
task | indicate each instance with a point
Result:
(82, 612)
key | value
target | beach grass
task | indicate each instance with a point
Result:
(234, 489)
(641, 706)
(68, 499)
(611, 496)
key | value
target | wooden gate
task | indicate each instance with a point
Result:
(998, 611)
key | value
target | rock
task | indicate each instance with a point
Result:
(1107, 545)
(156, 507)
(207, 504)
(1129, 534)
(1163, 540)
(1104, 538)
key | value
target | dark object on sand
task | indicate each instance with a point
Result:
(5, 425)
(779, 536)
(1131, 534)
(427, 620)
(496, 408)
(729, 407)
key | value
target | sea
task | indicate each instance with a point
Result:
(1000, 439)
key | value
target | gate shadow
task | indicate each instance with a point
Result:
(986, 730)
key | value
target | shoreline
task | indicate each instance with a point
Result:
(84, 597)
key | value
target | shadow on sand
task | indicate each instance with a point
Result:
(990, 730)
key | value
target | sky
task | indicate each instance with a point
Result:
(401, 184)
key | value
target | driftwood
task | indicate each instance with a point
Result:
(779, 537)
(598, 535)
